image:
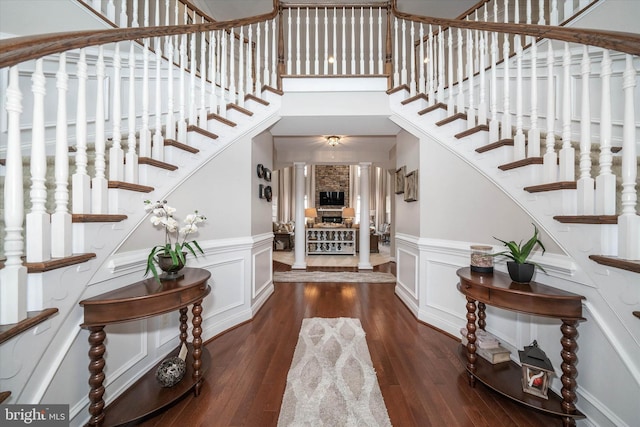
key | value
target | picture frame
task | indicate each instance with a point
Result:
(268, 193)
(411, 186)
(400, 174)
(267, 174)
(261, 191)
(260, 170)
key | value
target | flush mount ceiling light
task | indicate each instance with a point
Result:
(333, 140)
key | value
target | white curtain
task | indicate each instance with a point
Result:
(286, 193)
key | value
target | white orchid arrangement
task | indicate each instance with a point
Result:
(162, 216)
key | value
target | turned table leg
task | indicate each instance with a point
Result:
(569, 371)
(471, 340)
(482, 315)
(96, 377)
(183, 326)
(197, 346)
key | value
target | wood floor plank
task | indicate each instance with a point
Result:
(422, 380)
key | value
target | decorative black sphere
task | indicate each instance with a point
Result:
(171, 371)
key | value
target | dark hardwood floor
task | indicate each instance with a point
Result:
(422, 381)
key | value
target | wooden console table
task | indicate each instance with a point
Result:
(498, 290)
(141, 300)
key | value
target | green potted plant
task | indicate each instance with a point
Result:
(521, 270)
(170, 256)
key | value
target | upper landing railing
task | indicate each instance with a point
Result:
(151, 99)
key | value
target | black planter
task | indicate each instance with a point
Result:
(521, 273)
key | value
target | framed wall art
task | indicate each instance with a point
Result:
(411, 186)
(400, 173)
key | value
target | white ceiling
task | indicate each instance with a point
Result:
(304, 139)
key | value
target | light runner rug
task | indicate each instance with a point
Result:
(331, 381)
(334, 276)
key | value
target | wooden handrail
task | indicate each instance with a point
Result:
(615, 40)
(20, 49)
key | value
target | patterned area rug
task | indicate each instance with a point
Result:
(334, 276)
(331, 381)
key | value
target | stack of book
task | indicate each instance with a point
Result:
(488, 347)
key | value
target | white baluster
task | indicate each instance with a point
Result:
(134, 15)
(298, 64)
(344, 41)
(380, 55)
(471, 112)
(96, 5)
(13, 277)
(450, 102)
(116, 154)
(241, 67)
(157, 150)
(371, 61)
(38, 223)
(131, 166)
(289, 46)
(482, 102)
(396, 56)
(553, 16)
(145, 133)
(249, 63)
(274, 55)
(316, 59)
(111, 11)
(307, 61)
(403, 70)
(567, 152)
(193, 116)
(170, 124)
(533, 135)
(550, 158)
(353, 41)
(494, 124)
(541, 20)
(586, 184)
(325, 63)
(606, 180)
(334, 65)
(266, 54)
(124, 19)
(412, 63)
(213, 49)
(182, 121)
(629, 221)
(99, 188)
(223, 73)
(568, 10)
(460, 96)
(362, 70)
(422, 85)
(61, 228)
(81, 196)
(202, 117)
(145, 13)
(505, 129)
(258, 57)
(441, 80)
(519, 142)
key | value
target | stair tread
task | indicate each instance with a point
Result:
(52, 264)
(611, 261)
(273, 90)
(475, 129)
(560, 185)
(415, 98)
(520, 163)
(398, 89)
(452, 118)
(130, 186)
(587, 219)
(501, 143)
(239, 108)
(84, 218)
(198, 129)
(9, 331)
(180, 145)
(252, 97)
(218, 117)
(434, 107)
(157, 163)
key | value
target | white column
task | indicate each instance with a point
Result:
(300, 237)
(38, 226)
(364, 263)
(13, 277)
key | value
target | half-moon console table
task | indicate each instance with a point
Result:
(498, 290)
(141, 300)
